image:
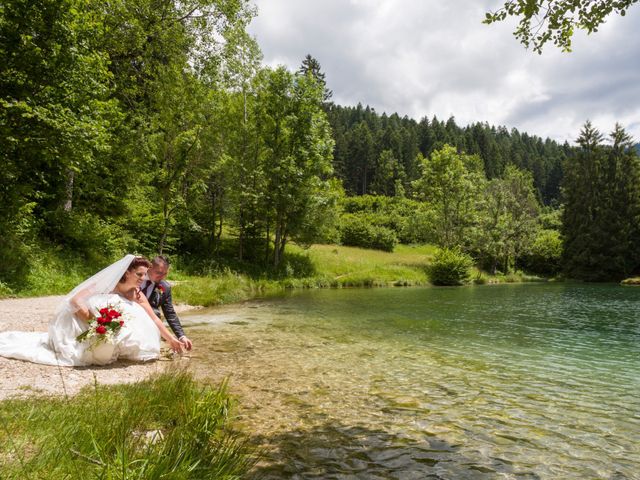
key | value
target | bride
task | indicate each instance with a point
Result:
(117, 287)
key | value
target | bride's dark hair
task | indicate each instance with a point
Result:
(135, 263)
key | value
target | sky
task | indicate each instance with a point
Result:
(435, 57)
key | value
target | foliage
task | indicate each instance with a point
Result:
(450, 267)
(151, 126)
(55, 116)
(545, 254)
(601, 216)
(412, 221)
(508, 220)
(356, 231)
(451, 183)
(167, 426)
(311, 66)
(295, 156)
(556, 20)
(378, 153)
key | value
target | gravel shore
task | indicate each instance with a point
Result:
(18, 378)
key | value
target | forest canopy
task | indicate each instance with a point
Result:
(152, 126)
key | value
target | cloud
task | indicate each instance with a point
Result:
(436, 58)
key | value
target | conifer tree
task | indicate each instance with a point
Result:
(312, 67)
(601, 217)
(579, 215)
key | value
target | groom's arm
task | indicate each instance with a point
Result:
(171, 315)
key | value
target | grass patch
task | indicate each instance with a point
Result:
(168, 426)
(227, 287)
(321, 266)
(480, 277)
(350, 266)
(53, 272)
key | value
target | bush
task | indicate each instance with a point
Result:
(97, 240)
(418, 227)
(18, 238)
(545, 255)
(356, 231)
(410, 220)
(450, 267)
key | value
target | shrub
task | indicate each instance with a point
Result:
(450, 267)
(356, 231)
(545, 254)
(97, 240)
(410, 220)
(418, 227)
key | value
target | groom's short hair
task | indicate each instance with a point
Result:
(161, 261)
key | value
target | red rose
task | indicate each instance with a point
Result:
(113, 314)
(121, 322)
(101, 330)
(103, 311)
(102, 320)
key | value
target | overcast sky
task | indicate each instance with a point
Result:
(435, 57)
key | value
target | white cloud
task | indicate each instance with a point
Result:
(435, 57)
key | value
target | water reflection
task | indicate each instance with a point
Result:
(520, 382)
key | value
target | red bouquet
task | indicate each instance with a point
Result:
(103, 327)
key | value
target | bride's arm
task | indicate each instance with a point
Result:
(79, 304)
(175, 344)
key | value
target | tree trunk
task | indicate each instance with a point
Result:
(266, 243)
(282, 245)
(212, 233)
(219, 235)
(241, 236)
(165, 229)
(68, 203)
(276, 245)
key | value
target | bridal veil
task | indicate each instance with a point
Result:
(59, 346)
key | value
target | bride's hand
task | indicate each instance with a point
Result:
(176, 345)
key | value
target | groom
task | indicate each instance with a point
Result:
(158, 291)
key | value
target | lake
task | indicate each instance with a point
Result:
(537, 381)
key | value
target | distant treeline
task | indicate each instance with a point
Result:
(379, 153)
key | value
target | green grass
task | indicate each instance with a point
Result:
(168, 426)
(321, 266)
(480, 277)
(53, 272)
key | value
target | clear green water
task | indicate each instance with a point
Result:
(513, 381)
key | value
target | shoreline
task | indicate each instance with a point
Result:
(19, 378)
(32, 314)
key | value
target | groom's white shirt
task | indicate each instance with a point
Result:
(149, 289)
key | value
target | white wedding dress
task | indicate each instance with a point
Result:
(138, 339)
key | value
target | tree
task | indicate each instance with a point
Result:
(542, 21)
(311, 66)
(386, 174)
(509, 219)
(451, 184)
(580, 214)
(56, 118)
(296, 157)
(601, 216)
